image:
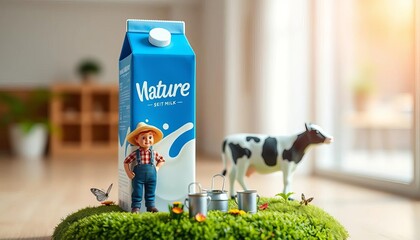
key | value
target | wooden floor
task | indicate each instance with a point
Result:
(35, 195)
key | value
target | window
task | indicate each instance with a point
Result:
(367, 81)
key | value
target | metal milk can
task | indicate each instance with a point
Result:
(247, 200)
(198, 202)
(219, 198)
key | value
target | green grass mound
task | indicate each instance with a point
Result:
(281, 220)
(85, 212)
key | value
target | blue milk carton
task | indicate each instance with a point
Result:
(157, 87)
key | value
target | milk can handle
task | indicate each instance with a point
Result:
(208, 201)
(212, 181)
(258, 197)
(185, 203)
(194, 183)
(235, 198)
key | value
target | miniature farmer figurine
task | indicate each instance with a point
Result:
(144, 173)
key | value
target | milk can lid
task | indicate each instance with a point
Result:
(200, 194)
(159, 37)
(247, 191)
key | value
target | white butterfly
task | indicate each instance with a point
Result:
(101, 195)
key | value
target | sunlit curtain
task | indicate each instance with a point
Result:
(281, 65)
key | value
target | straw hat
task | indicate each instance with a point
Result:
(143, 127)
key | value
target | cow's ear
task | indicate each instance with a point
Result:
(307, 126)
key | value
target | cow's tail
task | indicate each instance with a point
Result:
(224, 158)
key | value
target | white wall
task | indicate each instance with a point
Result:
(42, 41)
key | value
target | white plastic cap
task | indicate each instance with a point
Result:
(159, 37)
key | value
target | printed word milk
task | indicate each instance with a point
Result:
(157, 87)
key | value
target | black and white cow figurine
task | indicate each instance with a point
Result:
(249, 153)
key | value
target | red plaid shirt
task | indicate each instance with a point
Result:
(145, 157)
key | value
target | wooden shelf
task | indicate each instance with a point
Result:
(86, 116)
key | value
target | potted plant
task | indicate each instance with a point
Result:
(89, 69)
(28, 130)
(363, 88)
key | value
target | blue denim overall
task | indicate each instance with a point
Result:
(145, 177)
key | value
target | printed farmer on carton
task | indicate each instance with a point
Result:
(144, 174)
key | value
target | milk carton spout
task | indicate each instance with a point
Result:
(159, 37)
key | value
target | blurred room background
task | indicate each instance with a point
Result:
(263, 66)
(352, 67)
